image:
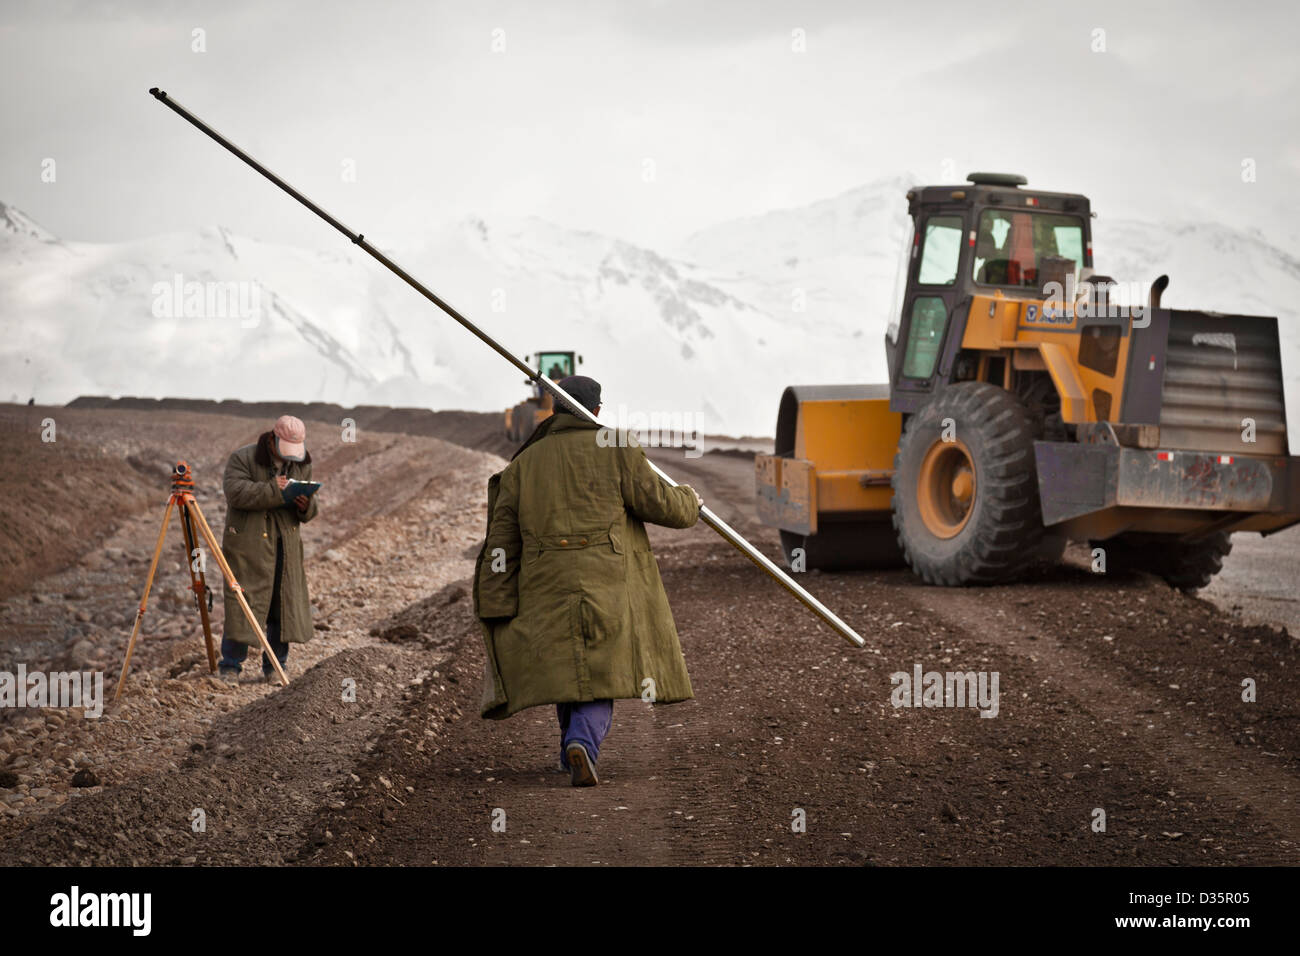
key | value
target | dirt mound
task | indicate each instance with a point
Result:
(59, 498)
(425, 621)
(483, 431)
(253, 781)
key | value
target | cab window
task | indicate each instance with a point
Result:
(940, 251)
(555, 365)
(1014, 248)
(925, 336)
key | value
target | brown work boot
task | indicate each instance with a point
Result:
(582, 771)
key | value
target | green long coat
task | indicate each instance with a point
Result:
(566, 587)
(256, 517)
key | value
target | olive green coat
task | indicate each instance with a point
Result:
(566, 587)
(256, 516)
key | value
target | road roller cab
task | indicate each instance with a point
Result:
(1032, 402)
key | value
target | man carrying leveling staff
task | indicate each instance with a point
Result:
(567, 590)
(262, 545)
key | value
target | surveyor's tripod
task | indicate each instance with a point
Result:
(183, 501)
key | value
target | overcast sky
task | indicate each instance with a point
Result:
(584, 98)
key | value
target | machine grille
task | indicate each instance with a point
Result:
(1221, 374)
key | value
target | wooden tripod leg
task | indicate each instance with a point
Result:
(198, 583)
(211, 539)
(144, 598)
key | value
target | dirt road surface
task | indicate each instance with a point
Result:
(1118, 699)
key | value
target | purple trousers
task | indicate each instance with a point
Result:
(584, 723)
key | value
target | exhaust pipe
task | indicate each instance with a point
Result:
(1157, 290)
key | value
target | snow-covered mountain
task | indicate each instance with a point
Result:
(715, 328)
(828, 271)
(117, 319)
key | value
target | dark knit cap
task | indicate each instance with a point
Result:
(585, 391)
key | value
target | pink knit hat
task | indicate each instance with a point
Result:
(290, 438)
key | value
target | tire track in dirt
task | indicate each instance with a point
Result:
(491, 772)
(1203, 753)
(1174, 735)
(787, 719)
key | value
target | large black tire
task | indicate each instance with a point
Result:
(845, 546)
(966, 510)
(1185, 565)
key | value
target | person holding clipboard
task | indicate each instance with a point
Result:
(269, 493)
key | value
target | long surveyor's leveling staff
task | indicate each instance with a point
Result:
(357, 239)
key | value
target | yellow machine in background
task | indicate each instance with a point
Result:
(1026, 407)
(521, 419)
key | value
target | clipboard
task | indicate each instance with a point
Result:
(295, 488)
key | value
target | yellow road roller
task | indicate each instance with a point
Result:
(1029, 404)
